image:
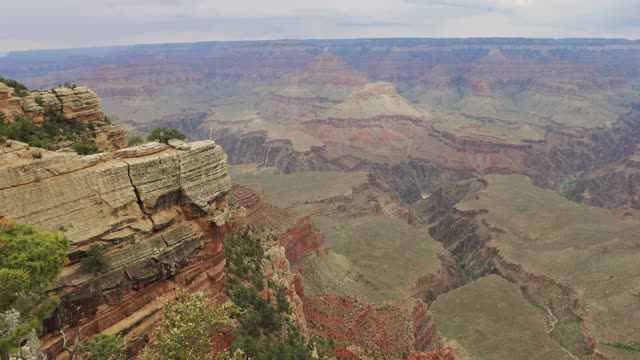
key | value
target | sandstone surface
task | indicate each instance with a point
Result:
(152, 212)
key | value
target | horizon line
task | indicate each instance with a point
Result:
(550, 39)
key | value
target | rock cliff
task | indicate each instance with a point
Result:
(302, 239)
(159, 212)
(78, 103)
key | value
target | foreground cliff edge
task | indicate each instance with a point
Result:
(152, 208)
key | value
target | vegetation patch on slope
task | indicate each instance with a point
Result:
(54, 130)
(624, 346)
(265, 331)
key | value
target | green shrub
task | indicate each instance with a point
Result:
(55, 128)
(265, 331)
(84, 147)
(281, 299)
(135, 141)
(67, 85)
(565, 187)
(188, 326)
(164, 134)
(36, 154)
(19, 89)
(624, 346)
(258, 281)
(103, 347)
(290, 348)
(25, 130)
(94, 261)
(29, 261)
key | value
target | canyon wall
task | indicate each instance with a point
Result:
(470, 254)
(159, 212)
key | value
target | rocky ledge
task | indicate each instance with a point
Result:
(79, 103)
(158, 211)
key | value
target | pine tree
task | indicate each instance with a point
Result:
(29, 261)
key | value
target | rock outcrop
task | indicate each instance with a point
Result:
(281, 274)
(5, 94)
(302, 239)
(78, 103)
(159, 212)
(110, 138)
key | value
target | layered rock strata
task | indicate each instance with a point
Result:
(159, 212)
(302, 239)
(79, 103)
(5, 94)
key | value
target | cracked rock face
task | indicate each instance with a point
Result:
(90, 197)
(152, 208)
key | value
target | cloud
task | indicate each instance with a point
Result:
(486, 5)
(31, 24)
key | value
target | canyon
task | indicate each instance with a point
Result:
(430, 198)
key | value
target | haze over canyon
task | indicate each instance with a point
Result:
(471, 198)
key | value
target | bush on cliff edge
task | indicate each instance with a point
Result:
(188, 326)
(164, 134)
(94, 262)
(29, 261)
(135, 141)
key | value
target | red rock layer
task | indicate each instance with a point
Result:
(343, 353)
(440, 354)
(134, 310)
(301, 239)
(385, 329)
(424, 330)
(259, 212)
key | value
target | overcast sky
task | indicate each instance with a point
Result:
(42, 24)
